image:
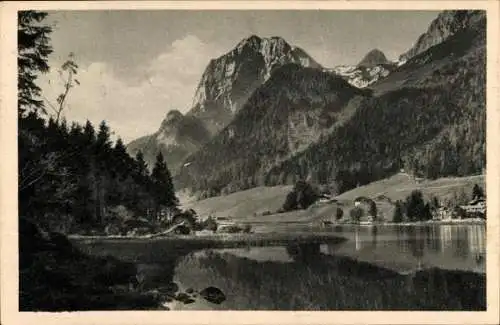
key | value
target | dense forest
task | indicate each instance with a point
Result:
(74, 177)
(434, 129)
(294, 108)
(71, 179)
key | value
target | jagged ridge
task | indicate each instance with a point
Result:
(447, 24)
(229, 80)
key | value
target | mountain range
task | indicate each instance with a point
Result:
(178, 136)
(224, 87)
(266, 113)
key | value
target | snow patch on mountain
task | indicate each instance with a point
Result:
(360, 76)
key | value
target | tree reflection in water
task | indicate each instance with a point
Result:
(416, 243)
(305, 253)
(374, 231)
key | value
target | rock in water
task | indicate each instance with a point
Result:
(213, 294)
(189, 301)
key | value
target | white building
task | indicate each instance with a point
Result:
(475, 206)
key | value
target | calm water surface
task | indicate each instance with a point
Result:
(259, 277)
(402, 248)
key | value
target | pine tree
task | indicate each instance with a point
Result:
(89, 134)
(415, 206)
(477, 192)
(141, 165)
(435, 203)
(339, 213)
(427, 214)
(122, 161)
(290, 201)
(398, 212)
(103, 140)
(163, 185)
(373, 209)
(33, 50)
(356, 214)
(120, 147)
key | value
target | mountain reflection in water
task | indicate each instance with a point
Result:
(324, 277)
(377, 268)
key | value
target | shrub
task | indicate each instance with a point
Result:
(290, 202)
(302, 196)
(373, 209)
(247, 228)
(339, 213)
(182, 230)
(210, 224)
(188, 216)
(232, 229)
(398, 212)
(356, 214)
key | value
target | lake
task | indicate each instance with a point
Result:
(336, 276)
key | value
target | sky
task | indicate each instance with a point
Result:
(136, 66)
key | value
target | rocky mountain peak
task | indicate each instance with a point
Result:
(229, 80)
(173, 115)
(373, 58)
(178, 136)
(446, 24)
(171, 121)
(264, 45)
(250, 41)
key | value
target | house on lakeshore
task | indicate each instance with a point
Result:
(362, 200)
(477, 205)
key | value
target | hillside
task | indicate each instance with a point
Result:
(248, 205)
(297, 106)
(447, 24)
(243, 204)
(465, 49)
(427, 116)
(177, 137)
(432, 122)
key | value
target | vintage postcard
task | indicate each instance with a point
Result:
(250, 162)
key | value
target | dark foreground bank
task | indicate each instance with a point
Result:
(54, 275)
(57, 276)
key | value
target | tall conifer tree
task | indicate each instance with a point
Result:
(163, 185)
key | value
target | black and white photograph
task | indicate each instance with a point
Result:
(186, 159)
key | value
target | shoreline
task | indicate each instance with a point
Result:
(223, 237)
(302, 235)
(133, 249)
(417, 223)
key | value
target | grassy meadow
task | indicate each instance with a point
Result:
(249, 205)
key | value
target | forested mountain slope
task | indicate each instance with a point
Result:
(434, 123)
(428, 116)
(294, 108)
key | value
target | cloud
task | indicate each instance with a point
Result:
(135, 105)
